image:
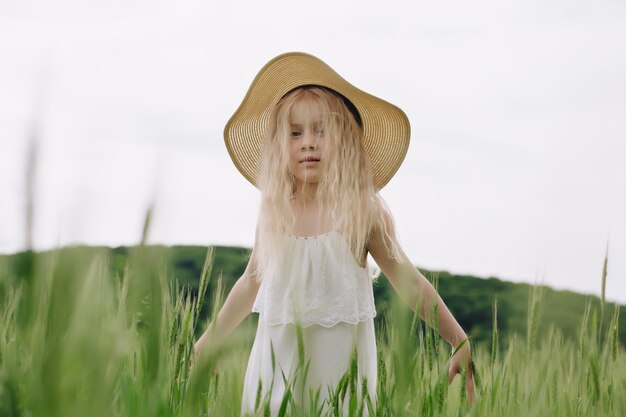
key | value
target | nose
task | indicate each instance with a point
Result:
(309, 141)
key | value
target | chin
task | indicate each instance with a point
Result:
(308, 181)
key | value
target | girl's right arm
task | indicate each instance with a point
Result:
(237, 306)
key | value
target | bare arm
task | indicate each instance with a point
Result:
(415, 290)
(237, 307)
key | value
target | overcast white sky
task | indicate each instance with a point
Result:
(516, 167)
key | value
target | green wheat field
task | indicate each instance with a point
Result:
(78, 340)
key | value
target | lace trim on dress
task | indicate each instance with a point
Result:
(315, 280)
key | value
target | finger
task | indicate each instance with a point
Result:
(470, 388)
(452, 373)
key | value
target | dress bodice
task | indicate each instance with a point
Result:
(315, 280)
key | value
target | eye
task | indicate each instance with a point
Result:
(295, 131)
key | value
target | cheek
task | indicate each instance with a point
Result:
(292, 160)
(292, 148)
(326, 147)
(293, 157)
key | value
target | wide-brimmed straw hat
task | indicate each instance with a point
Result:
(386, 129)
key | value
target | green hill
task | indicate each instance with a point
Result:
(470, 298)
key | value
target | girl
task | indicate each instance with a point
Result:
(319, 149)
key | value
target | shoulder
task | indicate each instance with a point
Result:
(252, 271)
(382, 219)
(383, 244)
(382, 236)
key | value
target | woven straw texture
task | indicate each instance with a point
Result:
(386, 129)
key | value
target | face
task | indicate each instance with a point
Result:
(307, 143)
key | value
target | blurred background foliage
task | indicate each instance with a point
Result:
(469, 298)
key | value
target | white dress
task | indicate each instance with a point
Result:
(316, 283)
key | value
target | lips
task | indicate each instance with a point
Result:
(309, 159)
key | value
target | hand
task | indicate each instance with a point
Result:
(462, 358)
(198, 353)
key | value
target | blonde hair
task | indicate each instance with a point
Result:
(346, 193)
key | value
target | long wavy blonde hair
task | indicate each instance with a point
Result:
(346, 193)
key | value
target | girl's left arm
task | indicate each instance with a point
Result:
(415, 290)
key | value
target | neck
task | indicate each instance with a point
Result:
(306, 192)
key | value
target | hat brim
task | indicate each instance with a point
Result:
(386, 129)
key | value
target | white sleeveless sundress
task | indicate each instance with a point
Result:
(317, 283)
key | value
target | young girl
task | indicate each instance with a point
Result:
(319, 149)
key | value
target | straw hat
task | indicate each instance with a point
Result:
(386, 129)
